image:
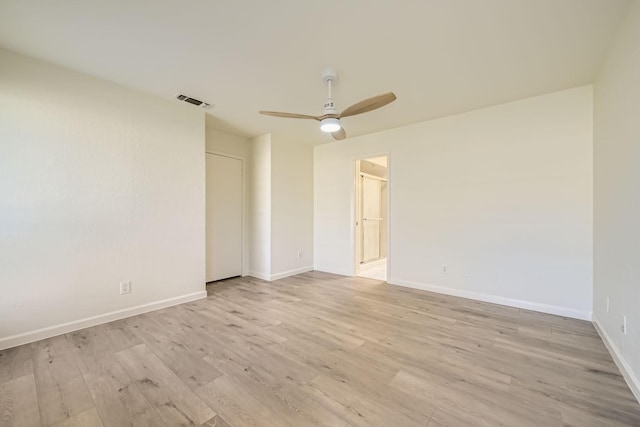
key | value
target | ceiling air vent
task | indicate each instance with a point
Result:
(193, 101)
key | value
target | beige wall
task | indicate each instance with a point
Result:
(282, 207)
(99, 184)
(501, 196)
(218, 141)
(260, 208)
(292, 207)
(617, 199)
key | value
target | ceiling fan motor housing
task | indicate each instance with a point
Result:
(329, 107)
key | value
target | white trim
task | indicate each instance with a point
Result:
(288, 273)
(64, 328)
(220, 153)
(282, 275)
(511, 302)
(618, 358)
(258, 275)
(334, 271)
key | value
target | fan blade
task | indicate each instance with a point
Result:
(369, 104)
(339, 134)
(288, 115)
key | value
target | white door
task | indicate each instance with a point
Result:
(371, 219)
(224, 217)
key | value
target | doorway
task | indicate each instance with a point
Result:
(224, 213)
(371, 217)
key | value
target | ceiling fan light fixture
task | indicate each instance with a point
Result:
(330, 125)
(330, 119)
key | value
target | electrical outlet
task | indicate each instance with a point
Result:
(624, 325)
(607, 304)
(125, 288)
(299, 254)
(444, 268)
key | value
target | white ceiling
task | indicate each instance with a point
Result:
(439, 56)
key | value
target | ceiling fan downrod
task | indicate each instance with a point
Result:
(332, 123)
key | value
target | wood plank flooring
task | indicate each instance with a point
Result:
(319, 349)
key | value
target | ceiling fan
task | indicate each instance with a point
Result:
(330, 120)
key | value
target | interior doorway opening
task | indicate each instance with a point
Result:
(371, 195)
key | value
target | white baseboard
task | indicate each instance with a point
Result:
(626, 371)
(259, 275)
(528, 305)
(282, 275)
(333, 271)
(64, 328)
(288, 273)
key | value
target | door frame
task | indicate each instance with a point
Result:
(355, 205)
(243, 227)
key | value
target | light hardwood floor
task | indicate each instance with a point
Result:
(320, 349)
